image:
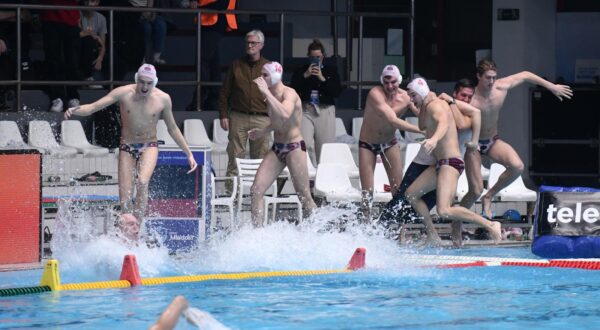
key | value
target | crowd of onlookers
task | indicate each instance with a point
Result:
(75, 44)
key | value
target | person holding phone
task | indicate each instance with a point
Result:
(317, 85)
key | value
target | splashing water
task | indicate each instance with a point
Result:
(202, 319)
(324, 241)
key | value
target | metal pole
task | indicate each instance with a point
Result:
(335, 28)
(198, 59)
(359, 61)
(18, 91)
(111, 52)
(281, 31)
(411, 53)
(349, 23)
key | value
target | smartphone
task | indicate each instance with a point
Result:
(314, 60)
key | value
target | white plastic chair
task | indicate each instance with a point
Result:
(72, 135)
(516, 191)
(42, 138)
(220, 136)
(411, 137)
(10, 136)
(195, 133)
(485, 173)
(312, 171)
(333, 183)
(380, 179)
(162, 134)
(227, 201)
(339, 153)
(247, 169)
(341, 135)
(356, 126)
(412, 149)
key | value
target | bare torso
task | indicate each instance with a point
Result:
(447, 146)
(139, 115)
(490, 104)
(287, 130)
(376, 128)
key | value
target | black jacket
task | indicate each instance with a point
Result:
(328, 89)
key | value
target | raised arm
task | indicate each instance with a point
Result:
(176, 133)
(283, 109)
(516, 79)
(87, 109)
(475, 115)
(377, 100)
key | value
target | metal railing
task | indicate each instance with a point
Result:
(359, 83)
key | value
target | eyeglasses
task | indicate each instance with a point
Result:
(252, 43)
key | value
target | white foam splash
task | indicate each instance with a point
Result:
(203, 320)
(326, 241)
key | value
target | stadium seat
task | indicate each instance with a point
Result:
(10, 136)
(42, 138)
(195, 133)
(333, 183)
(162, 134)
(514, 192)
(339, 153)
(72, 135)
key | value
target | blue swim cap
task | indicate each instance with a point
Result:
(512, 214)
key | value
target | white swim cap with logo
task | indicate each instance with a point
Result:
(391, 70)
(275, 70)
(148, 71)
(419, 86)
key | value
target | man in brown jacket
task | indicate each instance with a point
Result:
(242, 106)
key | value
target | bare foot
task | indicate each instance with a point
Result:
(486, 204)
(456, 234)
(496, 232)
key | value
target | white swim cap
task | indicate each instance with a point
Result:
(391, 70)
(275, 70)
(147, 70)
(419, 86)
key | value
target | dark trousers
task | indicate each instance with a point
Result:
(89, 52)
(399, 210)
(61, 49)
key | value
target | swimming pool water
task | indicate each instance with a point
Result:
(384, 298)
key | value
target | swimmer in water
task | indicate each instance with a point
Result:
(142, 105)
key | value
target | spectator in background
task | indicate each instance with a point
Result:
(61, 48)
(93, 41)
(318, 86)
(213, 26)
(242, 106)
(155, 32)
(128, 37)
(8, 53)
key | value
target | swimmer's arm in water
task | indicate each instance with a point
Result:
(475, 115)
(175, 133)
(283, 109)
(516, 79)
(87, 109)
(168, 319)
(377, 99)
